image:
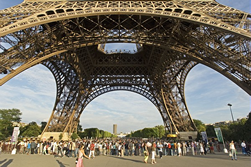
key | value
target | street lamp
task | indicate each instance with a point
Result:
(230, 105)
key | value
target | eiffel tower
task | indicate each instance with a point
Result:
(69, 37)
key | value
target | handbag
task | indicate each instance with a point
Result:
(146, 153)
(230, 154)
(225, 150)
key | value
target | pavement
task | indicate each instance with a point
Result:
(209, 160)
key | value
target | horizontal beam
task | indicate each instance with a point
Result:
(30, 63)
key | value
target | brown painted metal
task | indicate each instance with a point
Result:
(172, 36)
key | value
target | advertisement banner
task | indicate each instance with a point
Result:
(218, 134)
(204, 136)
(15, 134)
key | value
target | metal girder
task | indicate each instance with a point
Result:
(172, 37)
(207, 12)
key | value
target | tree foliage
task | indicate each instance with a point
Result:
(201, 127)
(7, 117)
(236, 131)
(210, 131)
(43, 125)
(157, 132)
(94, 133)
(31, 130)
(247, 127)
(74, 136)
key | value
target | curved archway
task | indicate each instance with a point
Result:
(164, 9)
(198, 105)
(130, 111)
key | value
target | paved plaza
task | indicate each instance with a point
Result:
(210, 160)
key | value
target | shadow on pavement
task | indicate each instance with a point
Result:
(61, 164)
(127, 159)
(215, 156)
(7, 163)
(3, 161)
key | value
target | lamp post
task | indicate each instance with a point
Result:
(230, 105)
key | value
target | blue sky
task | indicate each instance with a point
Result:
(207, 94)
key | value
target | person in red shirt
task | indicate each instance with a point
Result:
(92, 148)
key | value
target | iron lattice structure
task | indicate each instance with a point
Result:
(172, 36)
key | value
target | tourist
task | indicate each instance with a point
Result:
(21, 144)
(33, 146)
(243, 148)
(130, 147)
(92, 147)
(153, 153)
(81, 154)
(146, 153)
(179, 149)
(193, 148)
(201, 148)
(184, 148)
(211, 146)
(28, 147)
(232, 150)
(160, 146)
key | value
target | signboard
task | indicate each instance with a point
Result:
(218, 134)
(204, 136)
(15, 134)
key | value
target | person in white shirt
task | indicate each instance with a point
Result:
(160, 147)
(243, 147)
(232, 150)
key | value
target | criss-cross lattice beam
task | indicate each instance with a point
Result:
(69, 38)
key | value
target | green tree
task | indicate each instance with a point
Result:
(92, 132)
(160, 131)
(74, 136)
(107, 134)
(137, 133)
(31, 130)
(200, 125)
(7, 117)
(43, 125)
(149, 132)
(210, 131)
(247, 127)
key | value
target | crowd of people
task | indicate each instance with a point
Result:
(120, 147)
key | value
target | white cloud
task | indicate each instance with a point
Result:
(207, 95)
(129, 110)
(33, 92)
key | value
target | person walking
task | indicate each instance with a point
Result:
(232, 150)
(28, 147)
(243, 148)
(160, 146)
(146, 153)
(153, 153)
(92, 147)
(81, 154)
(33, 146)
(179, 149)
(201, 149)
